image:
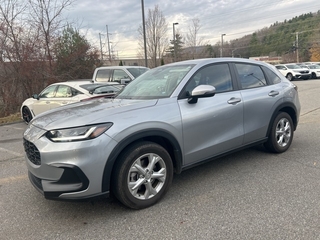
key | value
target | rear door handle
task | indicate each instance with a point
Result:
(273, 93)
(234, 100)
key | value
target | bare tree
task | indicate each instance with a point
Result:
(156, 40)
(12, 43)
(193, 42)
(46, 15)
(27, 31)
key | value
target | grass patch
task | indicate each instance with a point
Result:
(11, 118)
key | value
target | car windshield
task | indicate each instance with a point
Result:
(136, 72)
(156, 83)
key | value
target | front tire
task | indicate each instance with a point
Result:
(289, 77)
(143, 174)
(281, 134)
(26, 115)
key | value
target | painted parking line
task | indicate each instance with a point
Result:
(12, 127)
(12, 179)
(11, 152)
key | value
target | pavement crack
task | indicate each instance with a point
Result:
(316, 109)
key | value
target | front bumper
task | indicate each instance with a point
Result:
(71, 170)
(71, 180)
(302, 76)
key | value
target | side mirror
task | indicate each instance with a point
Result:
(125, 80)
(35, 96)
(201, 91)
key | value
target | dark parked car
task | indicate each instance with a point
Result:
(165, 121)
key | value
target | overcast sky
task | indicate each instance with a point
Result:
(235, 18)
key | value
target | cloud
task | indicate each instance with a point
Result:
(235, 18)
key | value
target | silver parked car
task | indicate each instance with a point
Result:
(167, 120)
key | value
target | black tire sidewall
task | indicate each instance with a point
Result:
(26, 110)
(290, 77)
(126, 160)
(272, 144)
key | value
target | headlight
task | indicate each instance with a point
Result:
(77, 133)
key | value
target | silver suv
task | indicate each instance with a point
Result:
(167, 120)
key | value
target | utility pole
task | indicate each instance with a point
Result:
(174, 41)
(297, 46)
(108, 43)
(221, 50)
(101, 47)
(144, 34)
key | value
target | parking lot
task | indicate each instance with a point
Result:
(251, 194)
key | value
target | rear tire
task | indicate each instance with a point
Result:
(281, 134)
(142, 175)
(26, 115)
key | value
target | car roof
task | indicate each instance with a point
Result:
(119, 67)
(78, 83)
(205, 61)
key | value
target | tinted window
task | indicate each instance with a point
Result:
(103, 75)
(217, 75)
(49, 92)
(273, 78)
(280, 67)
(250, 76)
(63, 91)
(119, 74)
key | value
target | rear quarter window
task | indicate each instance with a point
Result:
(272, 77)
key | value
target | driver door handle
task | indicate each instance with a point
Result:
(273, 93)
(234, 100)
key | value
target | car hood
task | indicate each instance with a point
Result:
(88, 112)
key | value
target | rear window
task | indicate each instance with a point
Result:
(103, 75)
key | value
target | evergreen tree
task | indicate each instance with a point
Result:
(75, 58)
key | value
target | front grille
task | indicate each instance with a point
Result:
(32, 152)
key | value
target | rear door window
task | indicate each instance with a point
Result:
(119, 75)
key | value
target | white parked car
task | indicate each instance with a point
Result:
(119, 74)
(63, 93)
(315, 70)
(293, 71)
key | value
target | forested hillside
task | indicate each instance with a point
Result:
(281, 39)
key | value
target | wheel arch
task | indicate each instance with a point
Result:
(161, 137)
(288, 108)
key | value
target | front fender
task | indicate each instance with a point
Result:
(145, 134)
